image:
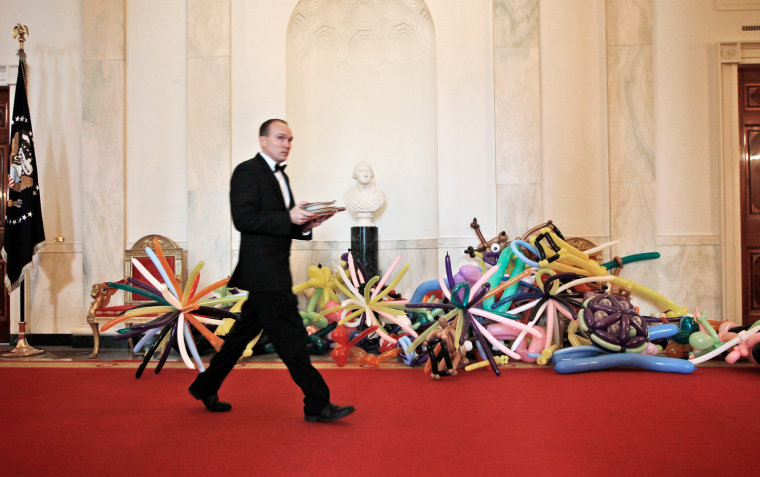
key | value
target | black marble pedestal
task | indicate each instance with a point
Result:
(364, 246)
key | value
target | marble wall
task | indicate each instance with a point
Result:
(535, 141)
(226, 71)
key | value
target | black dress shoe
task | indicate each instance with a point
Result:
(211, 401)
(330, 413)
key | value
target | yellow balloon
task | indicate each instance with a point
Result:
(574, 261)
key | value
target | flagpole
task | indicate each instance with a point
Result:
(22, 348)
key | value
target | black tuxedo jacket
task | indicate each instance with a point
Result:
(261, 215)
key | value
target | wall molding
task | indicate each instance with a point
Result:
(62, 247)
(722, 5)
(687, 240)
(8, 74)
(730, 56)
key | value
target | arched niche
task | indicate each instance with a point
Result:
(361, 86)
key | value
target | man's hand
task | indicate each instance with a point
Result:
(299, 216)
(317, 221)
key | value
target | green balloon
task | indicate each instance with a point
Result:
(316, 344)
(688, 326)
(701, 340)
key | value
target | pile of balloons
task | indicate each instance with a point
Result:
(536, 299)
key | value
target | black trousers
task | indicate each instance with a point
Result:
(277, 314)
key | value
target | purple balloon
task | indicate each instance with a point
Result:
(449, 275)
(608, 337)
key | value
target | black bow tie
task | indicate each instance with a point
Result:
(280, 167)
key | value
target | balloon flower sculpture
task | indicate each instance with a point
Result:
(324, 283)
(461, 312)
(366, 301)
(176, 307)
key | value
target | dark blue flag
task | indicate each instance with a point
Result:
(24, 233)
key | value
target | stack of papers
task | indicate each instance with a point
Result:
(322, 208)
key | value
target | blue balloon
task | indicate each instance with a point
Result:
(145, 339)
(606, 361)
(408, 358)
(580, 359)
(423, 289)
(665, 330)
(516, 249)
(161, 270)
(193, 350)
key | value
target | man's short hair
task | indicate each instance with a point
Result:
(264, 129)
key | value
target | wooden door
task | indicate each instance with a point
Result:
(749, 117)
(5, 134)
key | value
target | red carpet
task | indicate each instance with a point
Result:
(101, 421)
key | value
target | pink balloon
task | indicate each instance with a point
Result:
(333, 317)
(536, 345)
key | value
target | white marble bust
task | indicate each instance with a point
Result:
(364, 198)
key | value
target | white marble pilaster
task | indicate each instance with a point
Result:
(515, 23)
(519, 207)
(517, 109)
(208, 137)
(208, 26)
(633, 228)
(103, 242)
(102, 125)
(208, 224)
(630, 100)
(103, 66)
(103, 29)
(629, 22)
(689, 274)
(631, 113)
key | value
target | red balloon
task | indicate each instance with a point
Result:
(340, 355)
(340, 335)
(387, 345)
(363, 334)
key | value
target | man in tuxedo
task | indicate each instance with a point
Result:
(264, 212)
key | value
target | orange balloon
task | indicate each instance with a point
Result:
(357, 354)
(389, 354)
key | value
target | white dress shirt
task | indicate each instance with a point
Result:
(280, 178)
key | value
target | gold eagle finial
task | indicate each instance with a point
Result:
(20, 31)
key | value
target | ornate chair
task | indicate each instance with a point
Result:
(101, 293)
(175, 256)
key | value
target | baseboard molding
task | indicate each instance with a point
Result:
(74, 341)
